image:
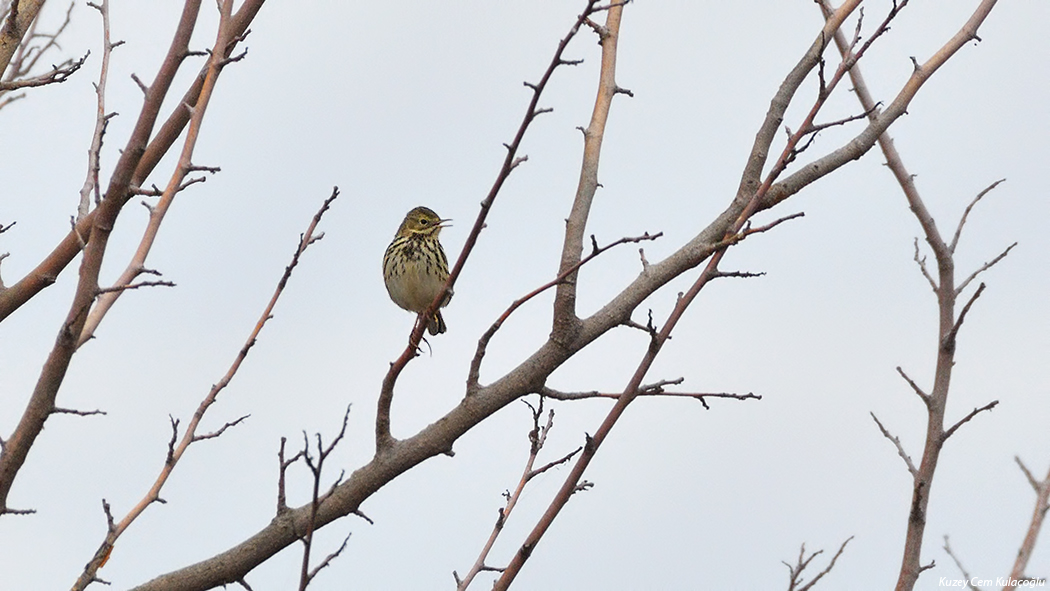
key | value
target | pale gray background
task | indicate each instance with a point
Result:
(402, 104)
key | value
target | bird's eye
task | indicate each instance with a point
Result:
(423, 221)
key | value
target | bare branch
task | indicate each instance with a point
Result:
(795, 572)
(948, 342)
(897, 443)
(558, 395)
(918, 391)
(922, 267)
(306, 574)
(220, 430)
(553, 463)
(984, 267)
(537, 438)
(177, 447)
(18, 52)
(814, 128)
(328, 559)
(565, 323)
(479, 354)
(283, 465)
(966, 214)
(13, 511)
(140, 284)
(962, 569)
(134, 165)
(936, 401)
(81, 413)
(1036, 485)
(57, 75)
(91, 235)
(969, 416)
(142, 85)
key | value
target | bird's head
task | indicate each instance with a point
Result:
(422, 221)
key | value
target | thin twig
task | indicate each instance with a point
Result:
(983, 268)
(918, 391)
(897, 443)
(1028, 474)
(475, 365)
(57, 75)
(558, 395)
(189, 436)
(966, 214)
(969, 416)
(948, 342)
(316, 468)
(537, 438)
(795, 572)
(962, 569)
(921, 261)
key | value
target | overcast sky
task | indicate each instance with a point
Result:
(405, 104)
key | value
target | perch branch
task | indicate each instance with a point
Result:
(384, 439)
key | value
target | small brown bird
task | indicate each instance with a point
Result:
(414, 265)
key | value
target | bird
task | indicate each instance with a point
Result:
(415, 267)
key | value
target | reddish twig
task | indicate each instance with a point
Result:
(537, 438)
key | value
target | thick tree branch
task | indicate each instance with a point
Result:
(21, 17)
(565, 322)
